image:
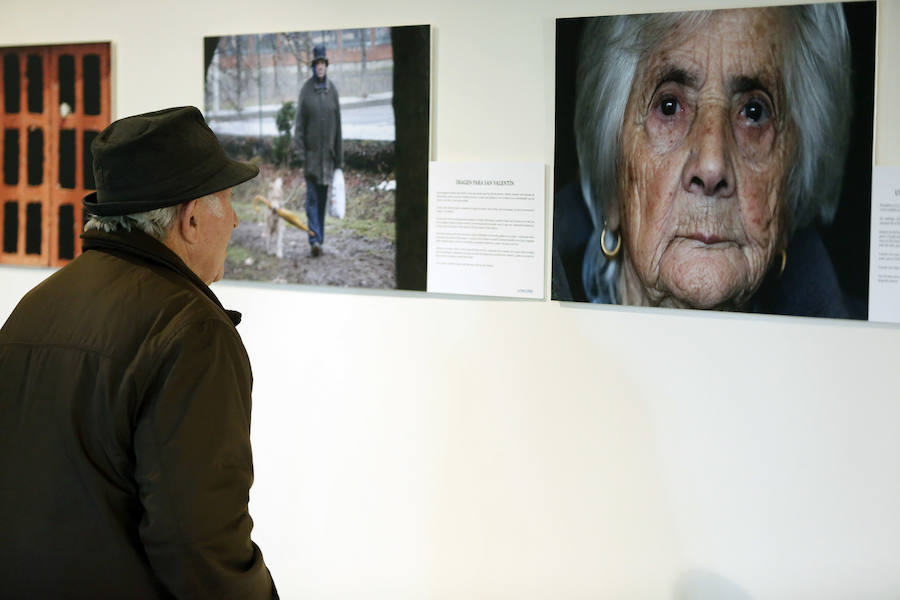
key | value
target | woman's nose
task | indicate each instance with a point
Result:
(708, 170)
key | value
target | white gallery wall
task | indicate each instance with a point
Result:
(420, 446)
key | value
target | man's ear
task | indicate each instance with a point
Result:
(187, 222)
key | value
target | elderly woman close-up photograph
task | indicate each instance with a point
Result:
(716, 160)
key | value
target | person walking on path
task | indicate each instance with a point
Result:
(317, 141)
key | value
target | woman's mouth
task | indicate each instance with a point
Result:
(706, 238)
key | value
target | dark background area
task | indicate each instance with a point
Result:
(847, 239)
(412, 107)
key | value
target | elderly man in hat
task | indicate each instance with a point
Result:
(317, 141)
(125, 460)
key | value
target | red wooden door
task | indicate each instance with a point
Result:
(53, 101)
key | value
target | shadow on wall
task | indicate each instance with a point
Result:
(706, 585)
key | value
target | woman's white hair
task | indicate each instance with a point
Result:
(156, 223)
(816, 73)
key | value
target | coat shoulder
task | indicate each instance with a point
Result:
(110, 305)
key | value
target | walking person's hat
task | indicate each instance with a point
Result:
(159, 159)
(319, 54)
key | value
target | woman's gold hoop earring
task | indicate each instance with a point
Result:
(609, 254)
(783, 262)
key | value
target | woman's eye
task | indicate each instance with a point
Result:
(755, 111)
(668, 106)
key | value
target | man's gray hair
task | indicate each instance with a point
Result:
(156, 223)
(816, 71)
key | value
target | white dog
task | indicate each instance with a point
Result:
(274, 231)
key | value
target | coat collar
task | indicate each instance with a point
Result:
(320, 84)
(137, 243)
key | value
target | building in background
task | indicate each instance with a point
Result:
(250, 77)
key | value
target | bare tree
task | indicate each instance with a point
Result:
(232, 76)
(299, 44)
(362, 62)
(238, 71)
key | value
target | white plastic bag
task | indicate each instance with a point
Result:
(337, 200)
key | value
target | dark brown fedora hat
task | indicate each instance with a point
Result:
(159, 159)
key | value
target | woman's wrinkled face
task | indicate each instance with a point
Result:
(705, 144)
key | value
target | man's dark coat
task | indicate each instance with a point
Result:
(125, 460)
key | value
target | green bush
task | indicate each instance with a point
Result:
(281, 147)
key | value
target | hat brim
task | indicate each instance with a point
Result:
(233, 173)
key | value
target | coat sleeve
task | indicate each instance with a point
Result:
(299, 144)
(338, 135)
(194, 468)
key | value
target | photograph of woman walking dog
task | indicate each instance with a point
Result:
(343, 153)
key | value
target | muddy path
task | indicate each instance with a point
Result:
(348, 260)
(359, 250)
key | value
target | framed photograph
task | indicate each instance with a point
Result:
(338, 123)
(716, 160)
(54, 100)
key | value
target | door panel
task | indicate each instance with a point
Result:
(25, 195)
